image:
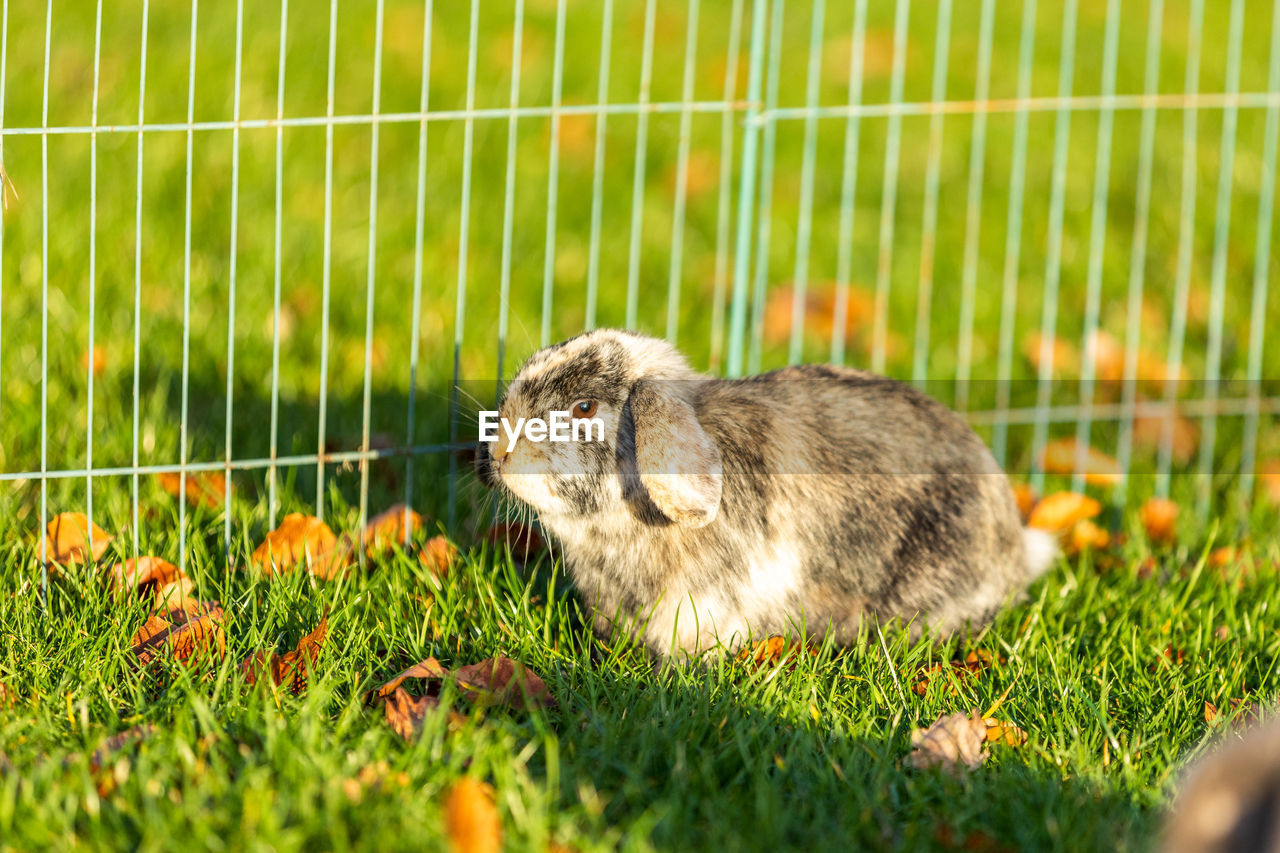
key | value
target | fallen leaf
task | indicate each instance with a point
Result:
(1025, 497)
(974, 664)
(387, 529)
(68, 539)
(8, 696)
(471, 818)
(820, 310)
(1087, 536)
(1002, 732)
(1169, 658)
(952, 742)
(1108, 357)
(1243, 714)
(1099, 469)
(438, 555)
(176, 595)
(503, 681)
(1066, 359)
(187, 636)
(773, 650)
(204, 488)
(1160, 520)
(302, 539)
(99, 361)
(428, 668)
(1148, 432)
(138, 573)
(291, 669)
(1060, 511)
(523, 541)
(117, 742)
(1270, 476)
(1156, 371)
(407, 714)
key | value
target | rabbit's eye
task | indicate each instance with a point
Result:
(584, 409)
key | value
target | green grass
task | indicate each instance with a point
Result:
(719, 758)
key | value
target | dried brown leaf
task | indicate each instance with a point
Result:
(387, 529)
(438, 555)
(951, 742)
(428, 668)
(136, 573)
(1160, 520)
(1065, 357)
(471, 818)
(1087, 536)
(204, 488)
(1148, 432)
(68, 539)
(503, 681)
(186, 635)
(406, 714)
(302, 539)
(999, 731)
(1060, 457)
(774, 650)
(1025, 497)
(292, 669)
(1060, 511)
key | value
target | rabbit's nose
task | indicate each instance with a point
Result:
(500, 453)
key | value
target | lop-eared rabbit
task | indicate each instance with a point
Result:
(714, 510)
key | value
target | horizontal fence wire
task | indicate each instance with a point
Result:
(760, 182)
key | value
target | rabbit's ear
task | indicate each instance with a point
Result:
(677, 461)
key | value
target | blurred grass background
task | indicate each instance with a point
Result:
(301, 216)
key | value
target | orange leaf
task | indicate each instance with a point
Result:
(1148, 432)
(1006, 733)
(428, 668)
(504, 681)
(819, 312)
(68, 540)
(204, 488)
(406, 714)
(1087, 536)
(292, 668)
(523, 541)
(1160, 519)
(1060, 511)
(1099, 469)
(471, 818)
(139, 572)
(187, 635)
(1210, 712)
(387, 529)
(1270, 476)
(302, 539)
(1108, 357)
(1025, 497)
(99, 360)
(438, 554)
(1066, 359)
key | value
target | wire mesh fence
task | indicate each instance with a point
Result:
(288, 246)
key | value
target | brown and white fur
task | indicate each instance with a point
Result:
(720, 509)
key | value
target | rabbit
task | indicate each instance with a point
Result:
(716, 510)
(1229, 800)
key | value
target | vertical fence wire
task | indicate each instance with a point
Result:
(90, 361)
(597, 167)
(509, 195)
(371, 282)
(44, 308)
(1053, 253)
(889, 191)
(419, 228)
(1186, 241)
(553, 179)
(638, 173)
(724, 189)
(4, 176)
(137, 274)
(924, 289)
(232, 269)
(765, 205)
(682, 174)
(1138, 251)
(1261, 269)
(464, 233)
(186, 293)
(849, 184)
(973, 209)
(804, 224)
(277, 267)
(746, 192)
(1097, 245)
(1013, 236)
(1218, 274)
(327, 272)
